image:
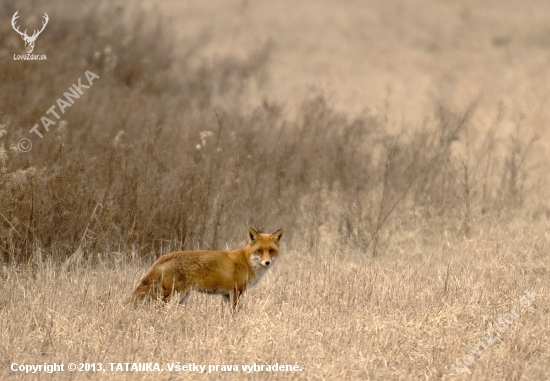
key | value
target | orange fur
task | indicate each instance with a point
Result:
(228, 273)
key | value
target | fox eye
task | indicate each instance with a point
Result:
(271, 251)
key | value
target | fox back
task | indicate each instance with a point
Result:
(227, 273)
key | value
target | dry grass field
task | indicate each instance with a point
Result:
(334, 312)
(402, 146)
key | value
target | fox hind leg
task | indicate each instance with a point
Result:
(171, 285)
(184, 297)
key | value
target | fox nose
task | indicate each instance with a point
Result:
(267, 263)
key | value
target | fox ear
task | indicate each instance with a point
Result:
(253, 235)
(277, 235)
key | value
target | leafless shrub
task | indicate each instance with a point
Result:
(146, 160)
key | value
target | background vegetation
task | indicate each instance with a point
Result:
(402, 244)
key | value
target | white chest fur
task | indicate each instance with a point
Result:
(259, 270)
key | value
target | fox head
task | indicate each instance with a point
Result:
(264, 248)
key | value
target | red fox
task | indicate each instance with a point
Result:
(228, 273)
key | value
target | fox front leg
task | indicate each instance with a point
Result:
(233, 298)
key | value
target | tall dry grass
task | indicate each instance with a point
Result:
(401, 247)
(335, 312)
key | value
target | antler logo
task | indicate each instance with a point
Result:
(29, 40)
